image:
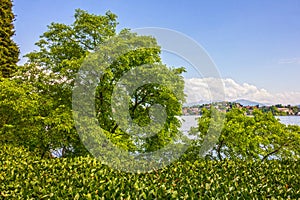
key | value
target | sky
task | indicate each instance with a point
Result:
(255, 45)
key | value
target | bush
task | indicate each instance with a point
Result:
(24, 176)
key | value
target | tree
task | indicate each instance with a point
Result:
(143, 97)
(9, 52)
(28, 118)
(62, 51)
(257, 137)
(51, 71)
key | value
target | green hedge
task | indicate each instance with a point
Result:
(23, 176)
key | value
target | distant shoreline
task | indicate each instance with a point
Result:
(252, 115)
(276, 110)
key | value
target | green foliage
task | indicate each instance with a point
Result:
(257, 137)
(24, 176)
(36, 103)
(27, 119)
(17, 107)
(145, 54)
(9, 52)
(63, 47)
(51, 72)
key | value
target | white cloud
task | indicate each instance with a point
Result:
(213, 89)
(289, 61)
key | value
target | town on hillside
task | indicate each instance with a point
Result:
(276, 110)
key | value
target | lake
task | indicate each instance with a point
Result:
(289, 120)
(188, 122)
(191, 120)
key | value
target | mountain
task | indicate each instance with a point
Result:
(245, 102)
(197, 103)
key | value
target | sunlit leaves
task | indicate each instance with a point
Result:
(9, 51)
(257, 137)
(23, 176)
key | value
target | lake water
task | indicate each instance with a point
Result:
(289, 120)
(190, 121)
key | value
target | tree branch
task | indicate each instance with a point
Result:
(219, 149)
(273, 152)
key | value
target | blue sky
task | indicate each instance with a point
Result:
(251, 42)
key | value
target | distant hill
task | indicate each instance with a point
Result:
(245, 102)
(197, 103)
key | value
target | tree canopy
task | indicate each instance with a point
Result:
(9, 51)
(45, 84)
(257, 137)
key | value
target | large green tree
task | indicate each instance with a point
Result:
(51, 71)
(53, 67)
(9, 51)
(144, 97)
